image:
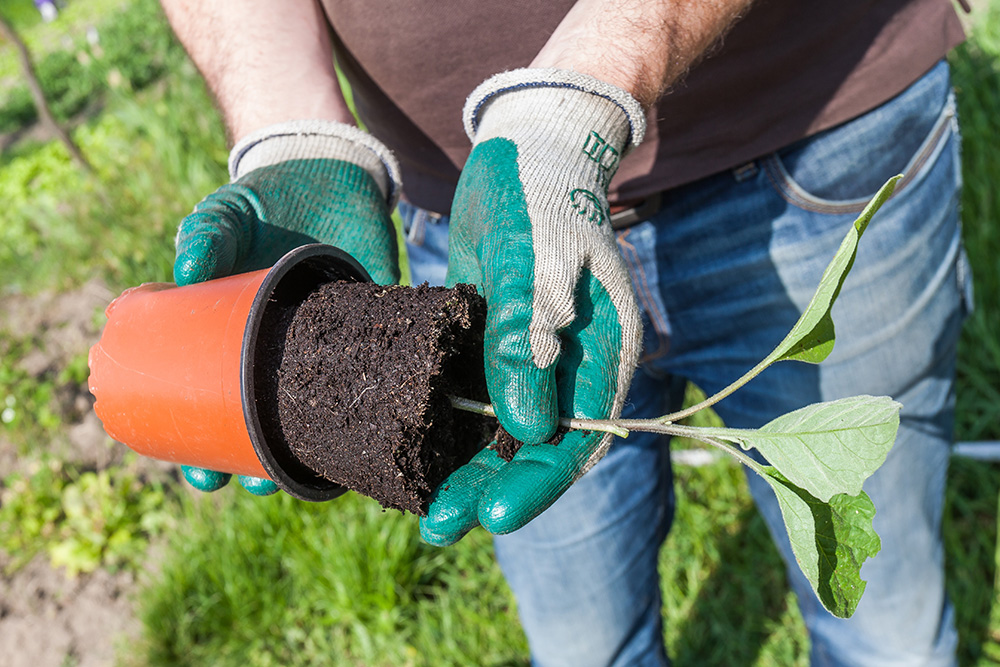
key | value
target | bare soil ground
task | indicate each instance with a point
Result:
(47, 618)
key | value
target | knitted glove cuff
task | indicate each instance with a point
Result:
(521, 79)
(318, 139)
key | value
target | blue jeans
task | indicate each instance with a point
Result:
(722, 272)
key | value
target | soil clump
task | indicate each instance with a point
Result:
(506, 445)
(353, 380)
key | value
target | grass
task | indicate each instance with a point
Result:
(976, 72)
(246, 581)
(972, 558)
(244, 586)
(725, 598)
(971, 514)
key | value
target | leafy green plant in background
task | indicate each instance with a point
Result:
(18, 111)
(21, 13)
(155, 154)
(34, 407)
(134, 48)
(27, 405)
(142, 26)
(81, 520)
(69, 84)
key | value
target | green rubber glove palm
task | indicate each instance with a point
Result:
(530, 227)
(292, 184)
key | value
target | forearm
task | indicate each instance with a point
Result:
(638, 45)
(266, 62)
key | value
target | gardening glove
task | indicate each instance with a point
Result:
(292, 184)
(530, 227)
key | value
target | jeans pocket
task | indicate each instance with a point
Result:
(638, 247)
(839, 170)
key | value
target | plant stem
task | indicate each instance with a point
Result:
(622, 427)
(718, 396)
(603, 425)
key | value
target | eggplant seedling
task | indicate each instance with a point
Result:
(818, 456)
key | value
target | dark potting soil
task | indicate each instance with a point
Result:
(354, 381)
(507, 445)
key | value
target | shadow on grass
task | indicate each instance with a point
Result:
(970, 536)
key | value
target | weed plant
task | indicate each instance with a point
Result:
(81, 519)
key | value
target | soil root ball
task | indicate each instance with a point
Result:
(354, 381)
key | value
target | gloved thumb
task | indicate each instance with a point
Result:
(209, 239)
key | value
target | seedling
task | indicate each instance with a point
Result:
(819, 456)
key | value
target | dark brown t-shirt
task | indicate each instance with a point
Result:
(787, 70)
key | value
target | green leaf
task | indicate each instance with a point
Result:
(825, 448)
(831, 541)
(812, 337)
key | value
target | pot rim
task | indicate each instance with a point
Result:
(324, 261)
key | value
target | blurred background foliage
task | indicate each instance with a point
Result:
(244, 581)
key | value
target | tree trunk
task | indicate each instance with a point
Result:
(38, 95)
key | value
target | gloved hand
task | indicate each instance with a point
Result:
(292, 184)
(530, 227)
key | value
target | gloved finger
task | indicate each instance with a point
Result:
(258, 486)
(590, 363)
(463, 263)
(493, 246)
(453, 510)
(553, 304)
(523, 395)
(213, 238)
(205, 250)
(205, 480)
(533, 480)
(587, 378)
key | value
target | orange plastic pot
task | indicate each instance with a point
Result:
(174, 371)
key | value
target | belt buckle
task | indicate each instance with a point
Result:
(646, 209)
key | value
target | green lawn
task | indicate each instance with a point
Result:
(247, 581)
